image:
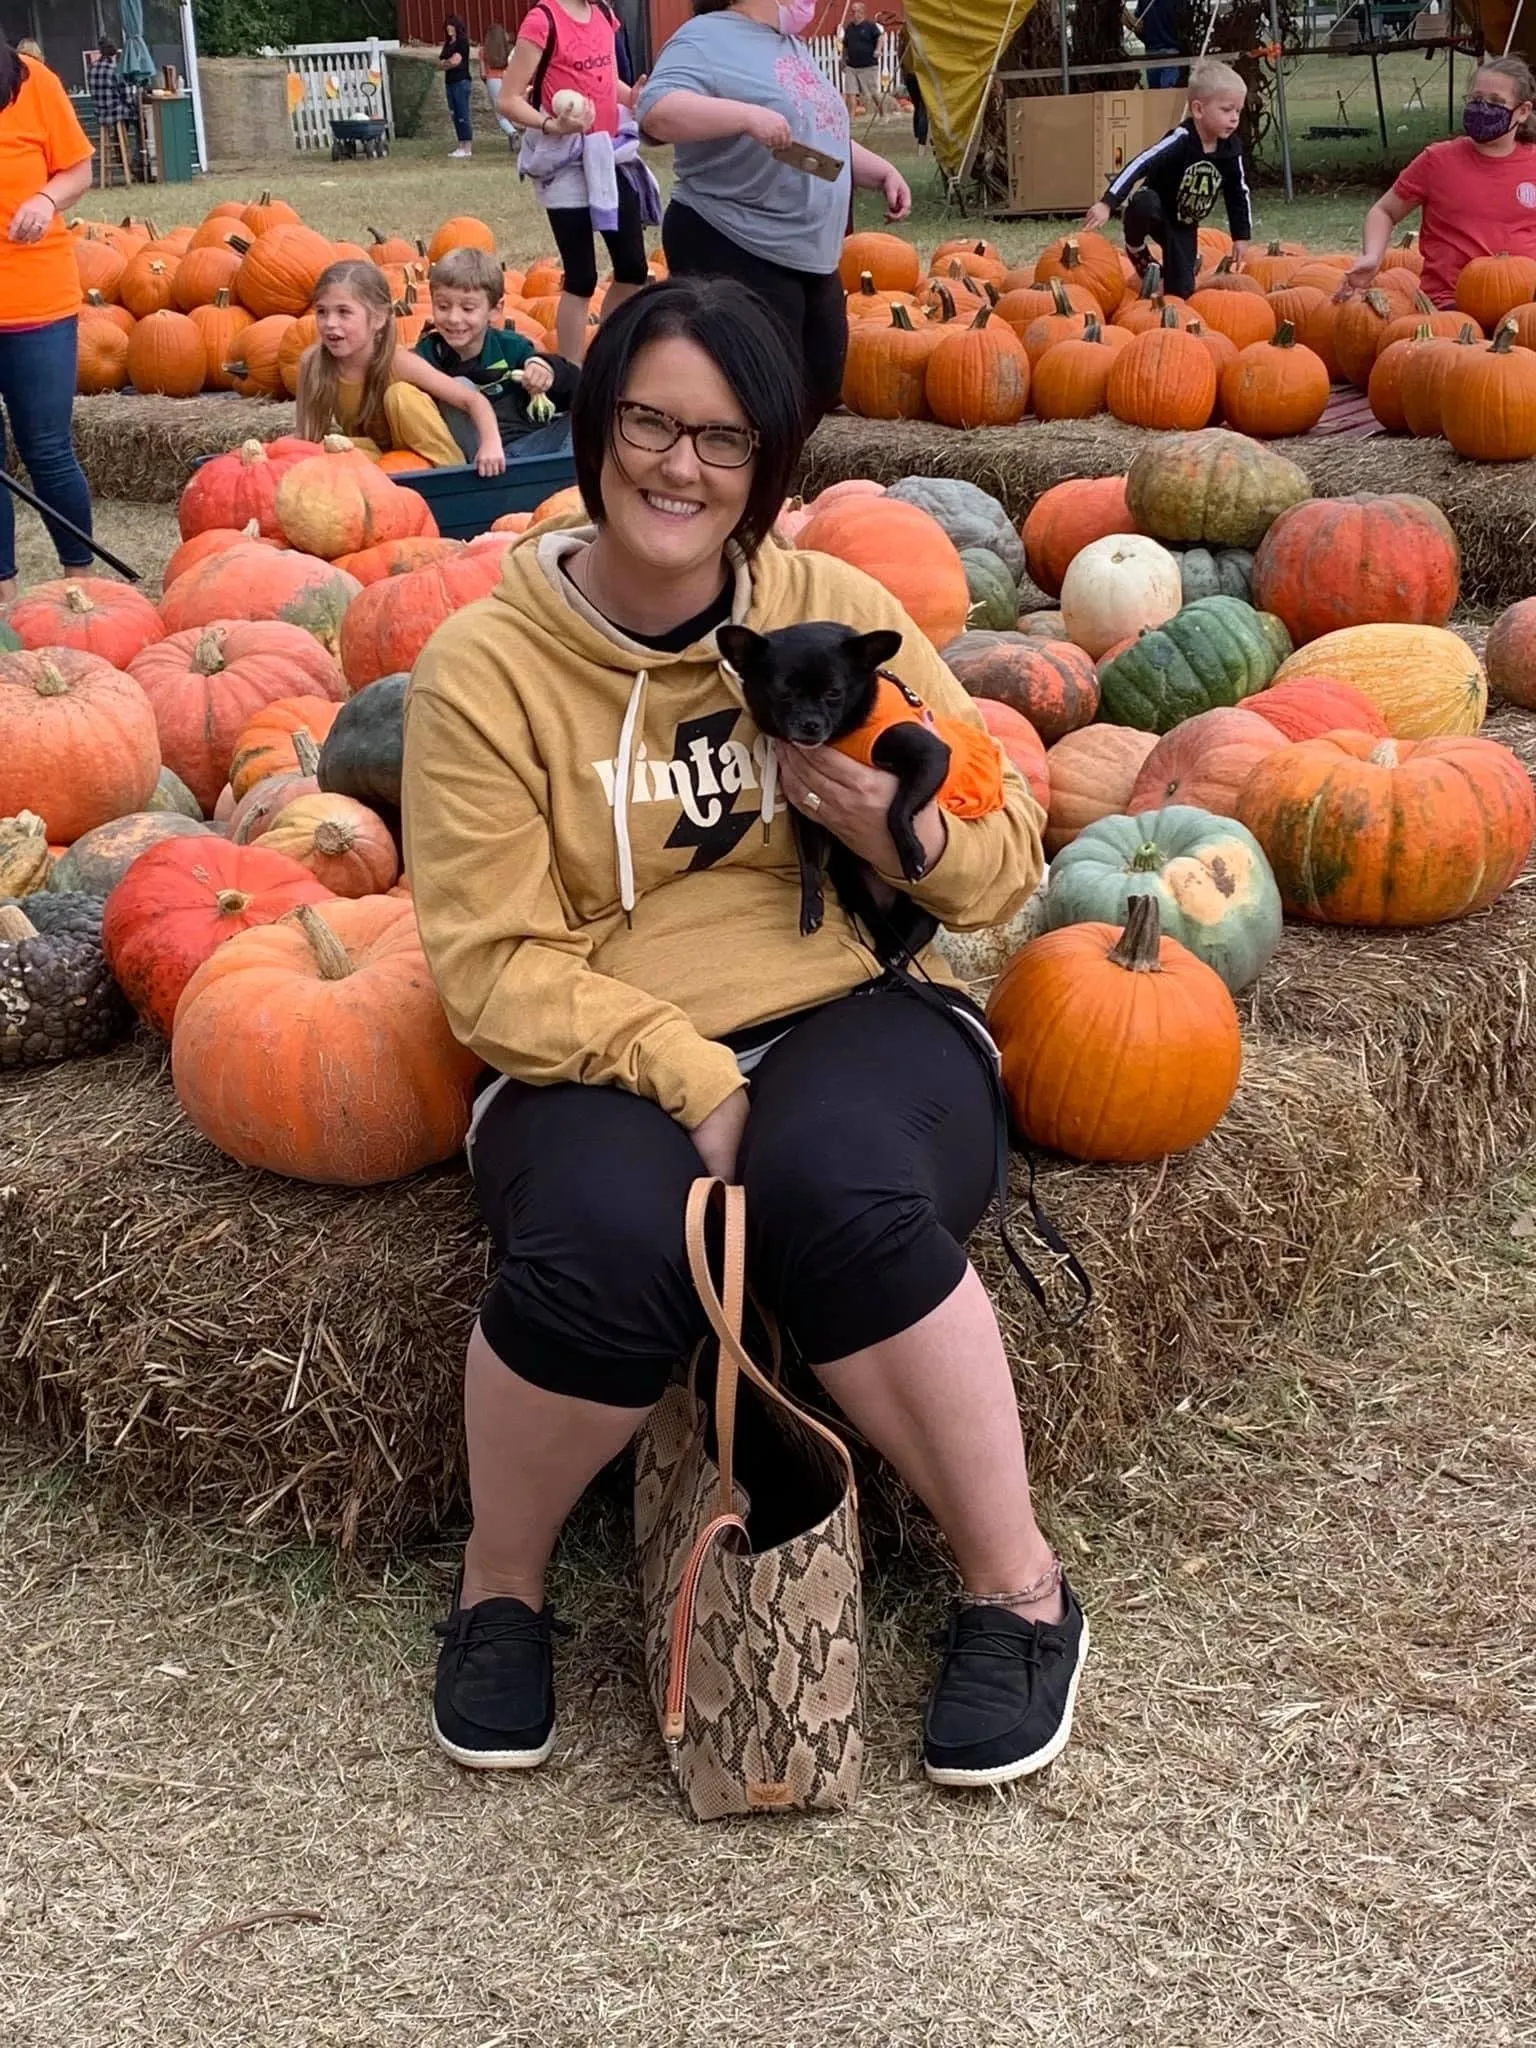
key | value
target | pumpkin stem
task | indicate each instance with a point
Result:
(1152, 283)
(15, 925)
(981, 319)
(1285, 335)
(1092, 331)
(1504, 338)
(867, 284)
(50, 683)
(337, 444)
(230, 902)
(78, 600)
(221, 296)
(253, 450)
(331, 956)
(1170, 317)
(1147, 859)
(1379, 305)
(1384, 754)
(334, 835)
(1059, 295)
(901, 318)
(305, 751)
(1137, 946)
(208, 656)
(1071, 255)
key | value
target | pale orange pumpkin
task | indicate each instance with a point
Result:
(340, 842)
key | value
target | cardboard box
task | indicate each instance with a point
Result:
(1063, 149)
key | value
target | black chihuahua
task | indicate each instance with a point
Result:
(816, 685)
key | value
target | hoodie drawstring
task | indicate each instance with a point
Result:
(623, 768)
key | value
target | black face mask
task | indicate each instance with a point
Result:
(1487, 120)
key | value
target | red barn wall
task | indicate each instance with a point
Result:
(421, 21)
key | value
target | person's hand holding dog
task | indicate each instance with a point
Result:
(851, 801)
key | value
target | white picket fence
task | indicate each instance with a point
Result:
(828, 52)
(338, 82)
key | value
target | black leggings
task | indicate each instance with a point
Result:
(573, 231)
(812, 310)
(869, 1158)
(1145, 215)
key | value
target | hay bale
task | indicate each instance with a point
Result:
(131, 446)
(1491, 506)
(253, 1352)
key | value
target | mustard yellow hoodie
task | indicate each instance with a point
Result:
(603, 869)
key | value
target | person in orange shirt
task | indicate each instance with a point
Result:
(45, 166)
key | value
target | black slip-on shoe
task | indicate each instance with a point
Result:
(1002, 1705)
(493, 1703)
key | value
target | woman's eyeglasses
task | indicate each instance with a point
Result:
(642, 426)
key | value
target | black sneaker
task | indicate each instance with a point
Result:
(493, 1705)
(1141, 259)
(1002, 1706)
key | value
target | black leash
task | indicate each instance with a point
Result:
(19, 490)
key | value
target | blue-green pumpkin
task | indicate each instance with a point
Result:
(1216, 572)
(971, 517)
(994, 594)
(1215, 651)
(1215, 893)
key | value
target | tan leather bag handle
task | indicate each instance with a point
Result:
(724, 1316)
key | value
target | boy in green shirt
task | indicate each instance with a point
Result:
(530, 394)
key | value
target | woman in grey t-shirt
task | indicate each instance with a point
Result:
(730, 87)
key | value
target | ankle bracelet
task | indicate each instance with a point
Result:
(1048, 1582)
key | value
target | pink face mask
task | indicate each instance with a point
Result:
(797, 17)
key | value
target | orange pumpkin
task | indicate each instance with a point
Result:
(1020, 742)
(219, 325)
(1368, 831)
(1071, 379)
(388, 251)
(1358, 328)
(213, 541)
(267, 742)
(1490, 287)
(1244, 316)
(101, 357)
(1309, 706)
(221, 231)
(267, 212)
(1275, 388)
(1204, 762)
(91, 613)
(262, 583)
(398, 557)
(1052, 683)
(1275, 265)
(1064, 324)
(317, 1047)
(280, 270)
(387, 625)
(1116, 1045)
(166, 356)
(885, 376)
(207, 683)
(339, 841)
(1164, 379)
(1085, 259)
(978, 378)
(232, 489)
(339, 502)
(891, 261)
(902, 547)
(1511, 654)
(867, 303)
(1424, 314)
(117, 316)
(302, 335)
(254, 369)
(1149, 305)
(1331, 563)
(147, 284)
(77, 741)
(1424, 375)
(1221, 348)
(1093, 772)
(1314, 316)
(179, 902)
(1021, 308)
(1065, 518)
(201, 275)
(1488, 401)
(462, 231)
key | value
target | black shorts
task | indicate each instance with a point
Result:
(869, 1158)
(812, 309)
(573, 231)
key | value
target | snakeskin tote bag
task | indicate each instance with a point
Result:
(746, 1519)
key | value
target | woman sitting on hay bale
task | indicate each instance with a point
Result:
(611, 908)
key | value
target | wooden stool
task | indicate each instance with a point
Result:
(115, 134)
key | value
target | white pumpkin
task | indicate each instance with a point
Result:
(980, 956)
(573, 106)
(1117, 585)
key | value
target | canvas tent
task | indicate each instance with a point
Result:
(956, 47)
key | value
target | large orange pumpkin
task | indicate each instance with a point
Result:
(201, 275)
(100, 268)
(1275, 387)
(462, 231)
(207, 683)
(267, 212)
(301, 336)
(339, 841)
(213, 540)
(1020, 742)
(1489, 287)
(1093, 772)
(1358, 561)
(1204, 762)
(1313, 314)
(978, 378)
(1116, 1045)
(1065, 518)
(885, 376)
(390, 622)
(338, 502)
(233, 489)
(317, 1047)
(262, 583)
(400, 557)
(900, 546)
(1425, 374)
(1164, 379)
(1150, 305)
(1244, 316)
(77, 741)
(1488, 401)
(254, 367)
(180, 902)
(1360, 830)
(148, 283)
(101, 357)
(279, 272)
(166, 356)
(88, 612)
(890, 260)
(1071, 380)
(1358, 328)
(1087, 259)
(1050, 682)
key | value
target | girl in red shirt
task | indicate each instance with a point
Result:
(1476, 194)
